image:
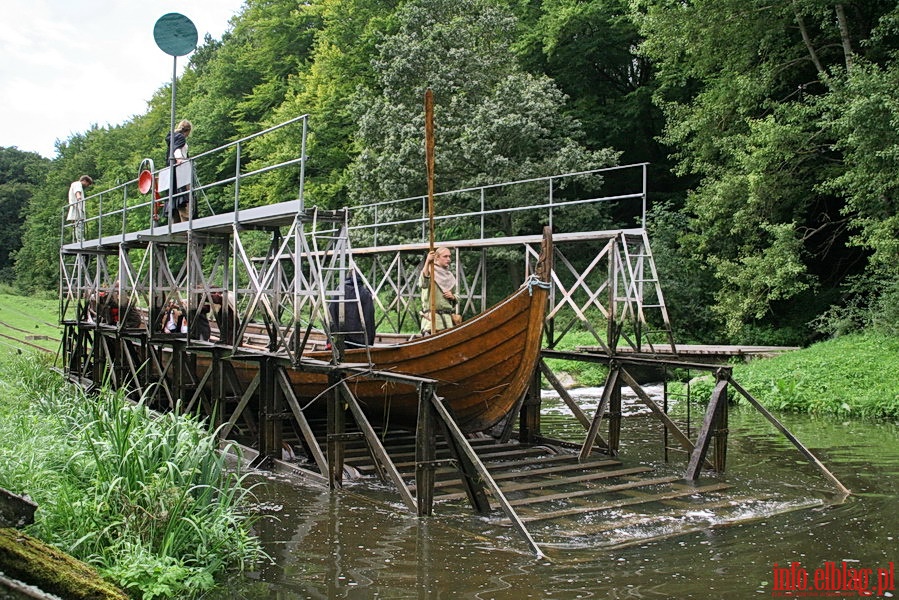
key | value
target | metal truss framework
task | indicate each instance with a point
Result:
(270, 274)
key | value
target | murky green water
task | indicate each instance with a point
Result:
(351, 544)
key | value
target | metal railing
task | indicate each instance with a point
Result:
(124, 209)
(475, 209)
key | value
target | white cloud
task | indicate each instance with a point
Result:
(70, 65)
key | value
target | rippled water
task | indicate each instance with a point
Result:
(362, 544)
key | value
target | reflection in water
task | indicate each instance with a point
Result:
(357, 543)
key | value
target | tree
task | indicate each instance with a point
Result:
(494, 122)
(20, 174)
(743, 87)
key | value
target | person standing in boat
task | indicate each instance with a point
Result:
(446, 299)
(176, 151)
(76, 205)
(354, 317)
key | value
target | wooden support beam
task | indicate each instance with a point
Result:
(802, 449)
(201, 385)
(376, 446)
(335, 431)
(425, 451)
(671, 425)
(270, 424)
(697, 457)
(593, 431)
(614, 413)
(563, 394)
(244, 400)
(462, 444)
(308, 435)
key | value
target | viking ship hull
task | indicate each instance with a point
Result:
(483, 367)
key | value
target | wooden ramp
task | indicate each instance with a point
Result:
(563, 502)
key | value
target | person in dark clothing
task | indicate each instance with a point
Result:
(225, 316)
(200, 319)
(358, 329)
(176, 153)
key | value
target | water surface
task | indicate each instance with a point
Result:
(359, 543)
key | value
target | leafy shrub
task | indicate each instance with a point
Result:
(145, 498)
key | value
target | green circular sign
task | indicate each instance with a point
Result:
(175, 34)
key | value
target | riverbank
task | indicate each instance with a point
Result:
(850, 376)
(146, 499)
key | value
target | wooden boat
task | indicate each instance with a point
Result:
(484, 366)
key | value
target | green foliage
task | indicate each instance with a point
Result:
(493, 121)
(147, 499)
(584, 373)
(745, 95)
(590, 50)
(20, 174)
(850, 376)
(862, 113)
(871, 302)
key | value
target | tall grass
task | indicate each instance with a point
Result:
(145, 498)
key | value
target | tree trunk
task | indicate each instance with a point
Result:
(805, 38)
(31, 561)
(844, 36)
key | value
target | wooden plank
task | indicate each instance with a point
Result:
(518, 473)
(697, 458)
(482, 453)
(557, 469)
(597, 490)
(557, 482)
(626, 502)
(404, 450)
(545, 460)
(15, 510)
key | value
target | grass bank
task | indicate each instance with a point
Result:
(850, 376)
(29, 323)
(146, 499)
(853, 376)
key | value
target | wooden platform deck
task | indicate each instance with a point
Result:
(601, 502)
(703, 353)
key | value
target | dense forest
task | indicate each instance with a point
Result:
(770, 127)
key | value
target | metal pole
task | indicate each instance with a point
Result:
(171, 156)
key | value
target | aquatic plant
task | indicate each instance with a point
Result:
(146, 498)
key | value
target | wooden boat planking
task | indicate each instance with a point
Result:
(484, 366)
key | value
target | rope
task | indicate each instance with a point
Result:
(533, 282)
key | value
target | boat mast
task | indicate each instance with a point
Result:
(429, 160)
